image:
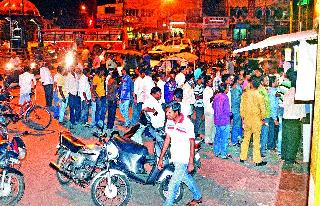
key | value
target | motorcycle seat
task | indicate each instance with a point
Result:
(70, 141)
(130, 146)
(132, 131)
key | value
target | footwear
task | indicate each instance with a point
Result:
(261, 164)
(194, 202)
(241, 161)
(227, 157)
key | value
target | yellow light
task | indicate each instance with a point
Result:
(69, 60)
(83, 7)
(33, 65)
(9, 66)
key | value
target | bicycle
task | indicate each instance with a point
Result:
(33, 115)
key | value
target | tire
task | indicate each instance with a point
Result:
(15, 180)
(64, 164)
(101, 183)
(38, 118)
(163, 190)
(5, 109)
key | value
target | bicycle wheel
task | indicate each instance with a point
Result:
(38, 118)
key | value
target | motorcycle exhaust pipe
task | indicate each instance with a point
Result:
(57, 168)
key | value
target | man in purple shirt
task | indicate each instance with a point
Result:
(169, 88)
(222, 113)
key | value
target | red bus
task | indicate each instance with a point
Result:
(110, 38)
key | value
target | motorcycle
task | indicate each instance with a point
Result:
(127, 160)
(78, 162)
(11, 179)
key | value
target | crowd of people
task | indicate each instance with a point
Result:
(226, 107)
(236, 101)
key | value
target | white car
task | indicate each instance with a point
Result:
(174, 45)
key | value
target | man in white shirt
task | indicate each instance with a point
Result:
(180, 136)
(72, 86)
(27, 82)
(161, 82)
(138, 97)
(181, 77)
(147, 84)
(153, 108)
(208, 112)
(55, 92)
(85, 95)
(47, 82)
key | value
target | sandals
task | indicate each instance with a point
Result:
(194, 202)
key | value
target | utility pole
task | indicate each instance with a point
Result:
(291, 15)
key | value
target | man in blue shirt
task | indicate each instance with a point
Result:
(126, 90)
(236, 92)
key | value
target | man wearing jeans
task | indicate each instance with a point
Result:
(99, 92)
(180, 134)
(126, 90)
(222, 113)
(47, 82)
(137, 97)
(72, 86)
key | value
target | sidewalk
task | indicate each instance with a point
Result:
(293, 188)
(274, 184)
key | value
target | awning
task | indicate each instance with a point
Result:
(280, 39)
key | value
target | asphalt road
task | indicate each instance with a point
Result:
(222, 182)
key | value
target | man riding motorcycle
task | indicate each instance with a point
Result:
(154, 109)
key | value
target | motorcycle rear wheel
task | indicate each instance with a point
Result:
(101, 196)
(16, 187)
(163, 190)
(64, 163)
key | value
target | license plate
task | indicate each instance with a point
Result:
(197, 156)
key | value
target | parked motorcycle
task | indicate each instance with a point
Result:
(77, 162)
(11, 179)
(127, 160)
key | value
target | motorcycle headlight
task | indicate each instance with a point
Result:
(112, 151)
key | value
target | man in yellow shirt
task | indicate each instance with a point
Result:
(99, 92)
(252, 111)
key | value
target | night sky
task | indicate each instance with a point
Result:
(47, 7)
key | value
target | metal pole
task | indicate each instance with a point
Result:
(291, 15)
(299, 18)
(10, 31)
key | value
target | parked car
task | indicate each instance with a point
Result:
(173, 45)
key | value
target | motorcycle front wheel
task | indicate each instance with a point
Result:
(118, 194)
(65, 165)
(164, 192)
(12, 189)
(38, 118)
